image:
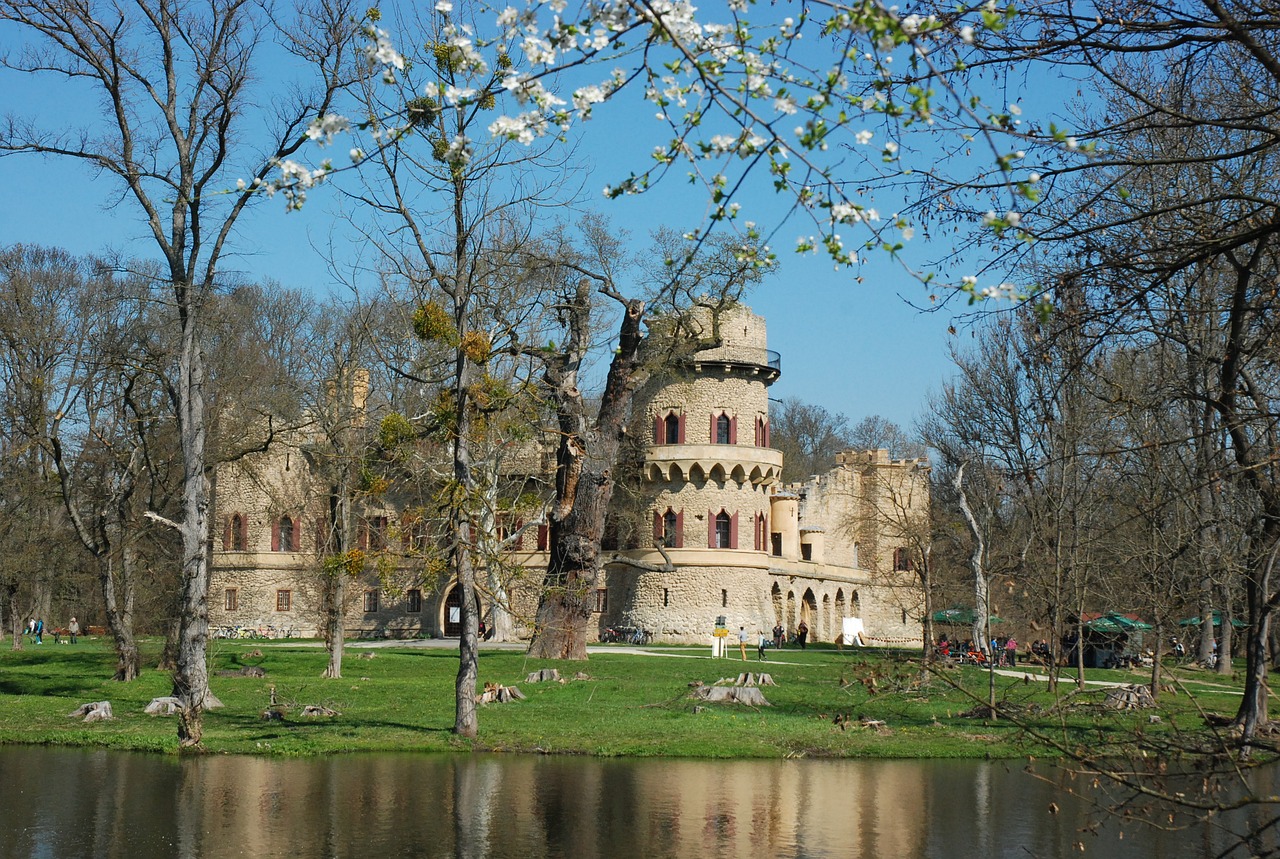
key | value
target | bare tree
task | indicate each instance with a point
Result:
(176, 84)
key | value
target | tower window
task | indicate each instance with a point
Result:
(722, 429)
(671, 429)
(724, 531)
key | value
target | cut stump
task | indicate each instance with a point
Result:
(165, 706)
(497, 694)
(544, 675)
(1131, 697)
(97, 711)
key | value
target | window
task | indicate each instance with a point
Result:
(762, 432)
(544, 537)
(671, 429)
(602, 600)
(666, 597)
(378, 533)
(415, 600)
(724, 598)
(231, 599)
(722, 530)
(233, 537)
(285, 534)
(284, 600)
(723, 425)
(775, 544)
(370, 601)
(806, 552)
(902, 562)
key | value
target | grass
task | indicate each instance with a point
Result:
(633, 705)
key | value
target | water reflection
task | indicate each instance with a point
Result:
(60, 803)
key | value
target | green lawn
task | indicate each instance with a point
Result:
(633, 705)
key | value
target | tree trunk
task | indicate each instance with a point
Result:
(335, 623)
(120, 617)
(191, 676)
(1228, 633)
(15, 616)
(585, 461)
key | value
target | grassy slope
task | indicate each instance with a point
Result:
(634, 705)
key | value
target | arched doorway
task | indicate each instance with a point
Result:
(809, 614)
(452, 620)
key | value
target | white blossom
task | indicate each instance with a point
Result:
(444, 6)
(863, 137)
(966, 35)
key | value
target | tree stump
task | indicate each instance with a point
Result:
(1131, 697)
(97, 711)
(317, 711)
(749, 695)
(496, 694)
(165, 706)
(542, 676)
(747, 679)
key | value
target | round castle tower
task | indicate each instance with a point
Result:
(704, 493)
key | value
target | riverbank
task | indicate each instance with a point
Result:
(855, 703)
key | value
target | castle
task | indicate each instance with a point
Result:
(713, 537)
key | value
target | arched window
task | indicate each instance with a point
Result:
(670, 528)
(902, 560)
(722, 531)
(285, 533)
(722, 429)
(234, 540)
(671, 429)
(857, 547)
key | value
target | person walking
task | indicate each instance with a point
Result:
(764, 642)
(802, 634)
(39, 631)
(742, 641)
(73, 629)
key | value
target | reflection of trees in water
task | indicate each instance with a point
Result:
(120, 805)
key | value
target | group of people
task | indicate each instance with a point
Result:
(35, 629)
(1003, 650)
(776, 638)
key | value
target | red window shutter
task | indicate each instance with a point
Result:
(733, 430)
(680, 427)
(657, 527)
(712, 437)
(733, 531)
(680, 530)
(758, 434)
(275, 535)
(659, 430)
(362, 535)
(766, 434)
(543, 534)
(226, 535)
(297, 534)
(711, 529)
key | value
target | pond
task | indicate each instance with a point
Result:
(69, 803)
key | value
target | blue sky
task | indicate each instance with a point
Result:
(857, 347)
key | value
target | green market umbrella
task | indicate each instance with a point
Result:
(1217, 621)
(1114, 622)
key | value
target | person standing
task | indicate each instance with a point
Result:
(778, 635)
(1011, 651)
(764, 642)
(39, 631)
(802, 634)
(742, 641)
(73, 629)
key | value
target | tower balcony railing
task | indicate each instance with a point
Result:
(752, 359)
